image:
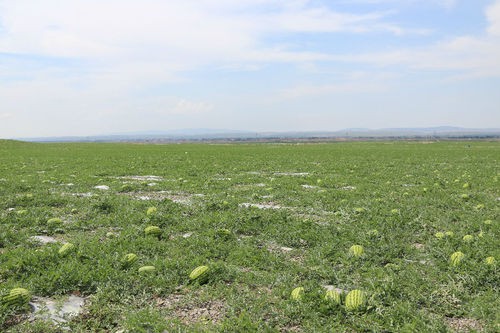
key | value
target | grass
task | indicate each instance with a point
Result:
(319, 200)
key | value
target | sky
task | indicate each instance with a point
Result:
(92, 67)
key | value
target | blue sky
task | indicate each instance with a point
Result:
(86, 67)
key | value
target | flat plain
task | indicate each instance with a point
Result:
(265, 219)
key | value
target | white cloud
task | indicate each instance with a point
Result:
(190, 107)
(493, 15)
(442, 3)
(463, 56)
(188, 32)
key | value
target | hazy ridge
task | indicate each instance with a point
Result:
(200, 134)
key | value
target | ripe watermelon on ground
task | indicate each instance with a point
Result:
(17, 297)
(354, 300)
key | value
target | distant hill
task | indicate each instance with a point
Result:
(235, 135)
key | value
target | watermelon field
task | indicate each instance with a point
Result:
(257, 237)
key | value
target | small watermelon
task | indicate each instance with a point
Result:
(54, 222)
(490, 261)
(151, 211)
(297, 294)
(354, 300)
(110, 234)
(332, 296)
(17, 296)
(224, 233)
(449, 234)
(468, 238)
(128, 260)
(456, 258)
(147, 269)
(66, 249)
(356, 250)
(126, 188)
(200, 273)
(439, 235)
(153, 231)
(373, 233)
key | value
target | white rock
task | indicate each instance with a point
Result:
(43, 239)
(58, 312)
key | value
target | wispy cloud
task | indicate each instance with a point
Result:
(171, 31)
(461, 56)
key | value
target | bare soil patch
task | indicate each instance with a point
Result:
(464, 324)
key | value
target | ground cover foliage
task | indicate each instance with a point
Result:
(266, 219)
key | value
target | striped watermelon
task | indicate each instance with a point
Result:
(468, 238)
(66, 249)
(332, 296)
(54, 222)
(356, 250)
(490, 261)
(151, 211)
(147, 269)
(354, 300)
(297, 294)
(17, 297)
(439, 235)
(152, 231)
(200, 273)
(456, 258)
(129, 259)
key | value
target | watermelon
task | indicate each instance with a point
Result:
(152, 231)
(490, 261)
(17, 297)
(356, 250)
(439, 235)
(297, 294)
(200, 273)
(456, 258)
(449, 234)
(151, 211)
(354, 300)
(373, 233)
(110, 234)
(468, 238)
(224, 233)
(66, 249)
(128, 260)
(54, 222)
(332, 296)
(147, 269)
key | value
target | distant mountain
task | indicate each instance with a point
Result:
(200, 134)
(180, 132)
